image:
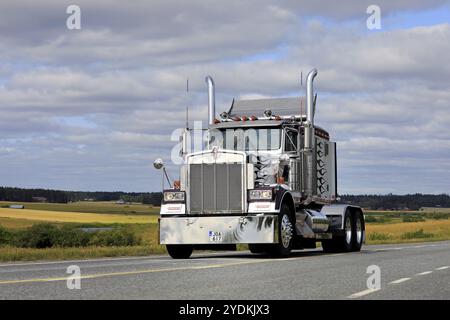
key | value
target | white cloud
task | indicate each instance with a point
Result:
(91, 109)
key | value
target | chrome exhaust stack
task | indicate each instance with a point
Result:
(211, 100)
(308, 167)
(309, 124)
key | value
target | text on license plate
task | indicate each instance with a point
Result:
(215, 236)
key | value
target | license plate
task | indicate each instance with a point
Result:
(215, 236)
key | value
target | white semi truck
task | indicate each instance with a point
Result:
(267, 178)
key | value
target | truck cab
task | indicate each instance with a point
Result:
(267, 178)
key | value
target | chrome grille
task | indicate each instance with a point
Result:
(215, 188)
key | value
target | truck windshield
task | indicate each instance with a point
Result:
(246, 139)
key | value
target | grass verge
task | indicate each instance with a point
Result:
(8, 254)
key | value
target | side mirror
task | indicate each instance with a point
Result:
(158, 164)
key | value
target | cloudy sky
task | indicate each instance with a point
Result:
(91, 109)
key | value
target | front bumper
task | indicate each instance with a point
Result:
(218, 229)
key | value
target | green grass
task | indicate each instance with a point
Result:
(437, 215)
(378, 236)
(413, 219)
(26, 254)
(419, 234)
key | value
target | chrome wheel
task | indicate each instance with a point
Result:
(348, 231)
(286, 231)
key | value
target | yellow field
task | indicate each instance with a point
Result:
(76, 217)
(439, 228)
(109, 207)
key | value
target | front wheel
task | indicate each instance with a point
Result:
(179, 251)
(285, 233)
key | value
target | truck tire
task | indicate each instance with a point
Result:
(179, 251)
(285, 233)
(345, 242)
(358, 232)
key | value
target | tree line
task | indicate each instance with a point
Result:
(373, 202)
(398, 202)
(59, 196)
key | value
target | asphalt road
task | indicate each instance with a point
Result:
(408, 271)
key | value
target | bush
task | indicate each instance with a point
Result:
(5, 236)
(412, 219)
(369, 219)
(46, 235)
(70, 237)
(437, 215)
(118, 237)
(379, 236)
(419, 234)
(376, 219)
(42, 235)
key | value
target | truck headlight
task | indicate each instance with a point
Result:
(260, 194)
(173, 196)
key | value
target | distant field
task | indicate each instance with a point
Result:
(75, 217)
(90, 207)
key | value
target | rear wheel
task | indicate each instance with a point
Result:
(342, 243)
(179, 251)
(285, 233)
(358, 232)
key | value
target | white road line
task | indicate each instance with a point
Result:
(399, 280)
(424, 273)
(135, 272)
(406, 247)
(443, 268)
(362, 293)
(158, 258)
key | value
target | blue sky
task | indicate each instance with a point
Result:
(430, 17)
(91, 109)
